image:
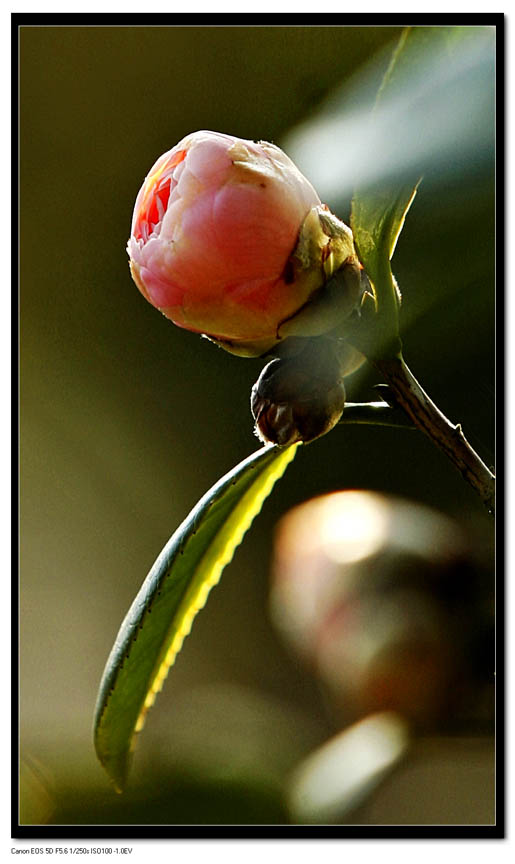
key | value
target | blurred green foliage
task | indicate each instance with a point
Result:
(127, 420)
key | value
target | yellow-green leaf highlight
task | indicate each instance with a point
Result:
(174, 591)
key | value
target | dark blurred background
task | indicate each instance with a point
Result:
(127, 420)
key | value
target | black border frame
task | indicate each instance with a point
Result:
(268, 832)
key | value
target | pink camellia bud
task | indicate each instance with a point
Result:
(230, 240)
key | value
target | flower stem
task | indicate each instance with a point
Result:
(376, 335)
(425, 415)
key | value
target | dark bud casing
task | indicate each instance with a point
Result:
(301, 397)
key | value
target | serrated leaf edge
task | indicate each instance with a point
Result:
(218, 555)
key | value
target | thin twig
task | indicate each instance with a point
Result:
(375, 413)
(426, 416)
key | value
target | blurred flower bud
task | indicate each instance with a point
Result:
(387, 603)
(230, 240)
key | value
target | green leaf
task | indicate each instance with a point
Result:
(377, 220)
(378, 211)
(176, 588)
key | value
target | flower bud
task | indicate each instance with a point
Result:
(230, 240)
(299, 397)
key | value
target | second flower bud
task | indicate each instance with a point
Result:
(301, 397)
